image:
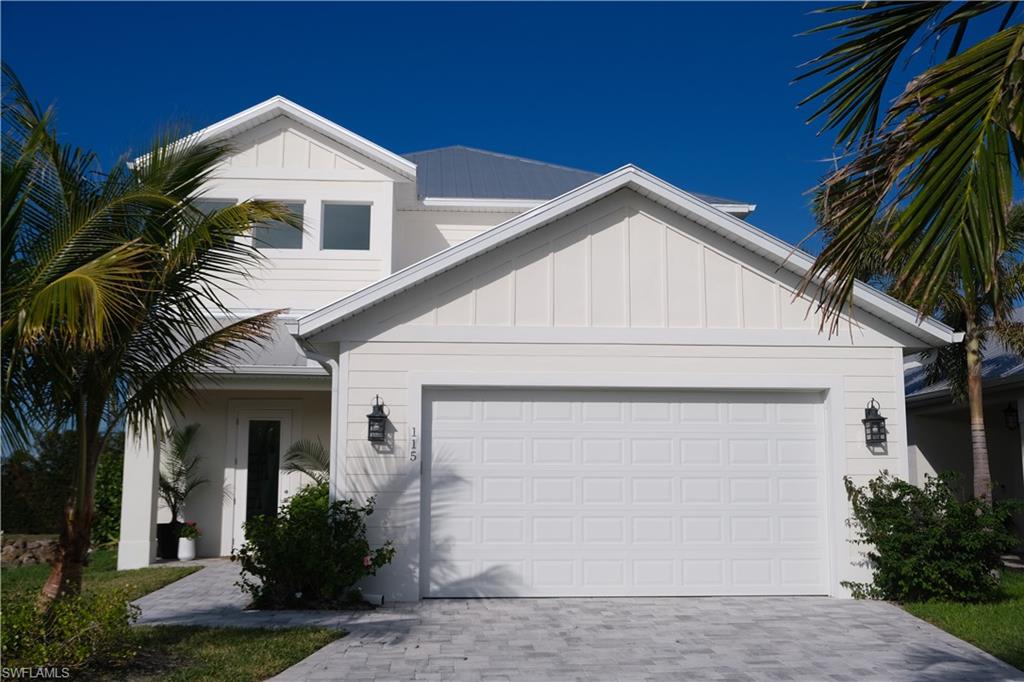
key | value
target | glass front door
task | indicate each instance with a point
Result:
(264, 459)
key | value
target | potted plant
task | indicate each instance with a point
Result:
(187, 541)
(178, 478)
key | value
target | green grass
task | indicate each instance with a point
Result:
(181, 654)
(996, 627)
(178, 652)
(101, 574)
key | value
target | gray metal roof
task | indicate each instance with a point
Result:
(467, 173)
(1000, 366)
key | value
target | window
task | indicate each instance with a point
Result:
(278, 235)
(211, 205)
(346, 226)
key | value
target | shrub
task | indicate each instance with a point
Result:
(78, 632)
(106, 521)
(311, 554)
(924, 543)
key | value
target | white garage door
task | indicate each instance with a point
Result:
(616, 492)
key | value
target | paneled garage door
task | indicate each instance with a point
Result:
(617, 492)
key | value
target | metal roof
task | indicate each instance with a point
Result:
(1000, 366)
(468, 173)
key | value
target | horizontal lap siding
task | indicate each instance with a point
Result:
(383, 368)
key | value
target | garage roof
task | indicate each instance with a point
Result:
(928, 330)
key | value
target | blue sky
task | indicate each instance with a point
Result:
(696, 93)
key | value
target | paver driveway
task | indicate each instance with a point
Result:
(734, 638)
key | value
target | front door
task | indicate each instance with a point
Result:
(262, 438)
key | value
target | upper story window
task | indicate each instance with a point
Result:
(278, 235)
(211, 205)
(345, 227)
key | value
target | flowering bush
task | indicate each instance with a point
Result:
(189, 530)
(311, 554)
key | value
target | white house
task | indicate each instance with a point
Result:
(939, 429)
(596, 385)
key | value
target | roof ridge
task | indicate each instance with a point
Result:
(504, 156)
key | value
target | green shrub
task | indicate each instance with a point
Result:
(924, 543)
(82, 631)
(106, 521)
(311, 554)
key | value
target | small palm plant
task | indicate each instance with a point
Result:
(179, 466)
(309, 457)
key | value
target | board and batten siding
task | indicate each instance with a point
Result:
(622, 288)
(285, 161)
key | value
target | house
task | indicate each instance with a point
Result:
(939, 432)
(594, 384)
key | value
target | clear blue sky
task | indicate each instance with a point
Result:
(698, 94)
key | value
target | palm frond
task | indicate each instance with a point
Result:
(310, 457)
(946, 163)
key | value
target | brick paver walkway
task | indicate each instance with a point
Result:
(729, 638)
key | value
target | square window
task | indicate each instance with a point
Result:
(346, 226)
(278, 235)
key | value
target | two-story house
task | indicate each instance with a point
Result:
(595, 384)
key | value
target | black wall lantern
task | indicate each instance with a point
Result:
(1011, 417)
(378, 422)
(874, 424)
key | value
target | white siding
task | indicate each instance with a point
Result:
(422, 233)
(284, 161)
(623, 288)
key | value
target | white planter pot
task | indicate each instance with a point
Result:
(186, 549)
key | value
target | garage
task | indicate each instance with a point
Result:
(623, 392)
(549, 492)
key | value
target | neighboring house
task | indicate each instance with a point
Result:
(596, 385)
(939, 432)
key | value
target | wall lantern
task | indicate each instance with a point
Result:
(378, 421)
(874, 424)
(1011, 417)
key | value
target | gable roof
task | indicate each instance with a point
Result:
(930, 331)
(467, 173)
(281, 106)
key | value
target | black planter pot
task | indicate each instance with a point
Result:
(167, 540)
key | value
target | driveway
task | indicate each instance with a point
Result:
(733, 638)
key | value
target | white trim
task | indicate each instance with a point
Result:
(339, 435)
(281, 106)
(470, 203)
(270, 370)
(289, 412)
(833, 404)
(619, 336)
(930, 331)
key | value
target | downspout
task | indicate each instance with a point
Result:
(331, 365)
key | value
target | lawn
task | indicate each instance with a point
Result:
(996, 627)
(179, 653)
(100, 574)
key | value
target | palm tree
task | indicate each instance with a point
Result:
(112, 287)
(309, 457)
(179, 474)
(936, 167)
(983, 316)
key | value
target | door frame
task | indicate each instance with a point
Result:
(240, 413)
(833, 404)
